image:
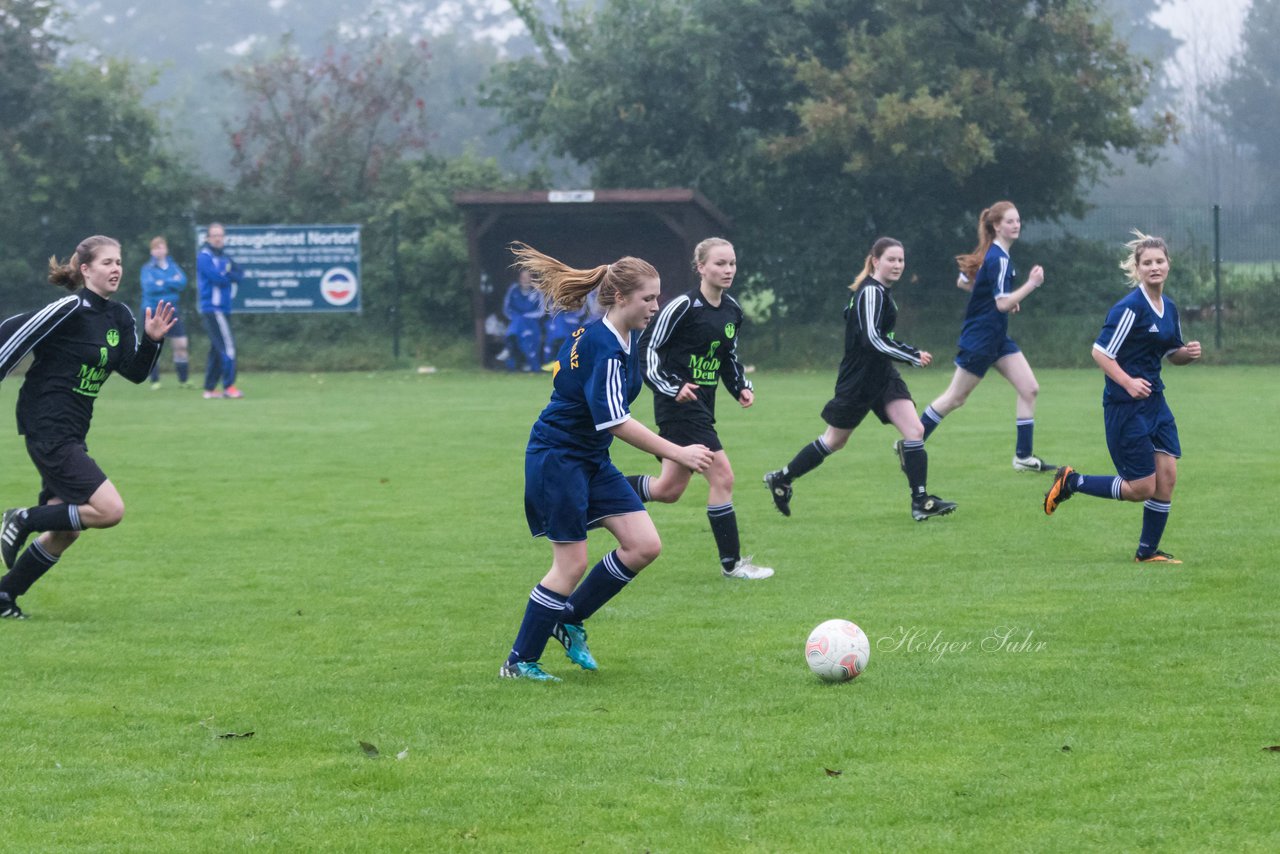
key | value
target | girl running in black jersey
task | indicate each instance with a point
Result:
(688, 351)
(77, 341)
(869, 382)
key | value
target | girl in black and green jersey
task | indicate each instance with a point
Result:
(77, 343)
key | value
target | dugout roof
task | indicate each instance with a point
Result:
(583, 228)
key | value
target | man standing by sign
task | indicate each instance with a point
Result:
(216, 275)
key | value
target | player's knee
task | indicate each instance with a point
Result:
(644, 551)
(1029, 392)
(722, 480)
(1143, 489)
(913, 432)
(110, 512)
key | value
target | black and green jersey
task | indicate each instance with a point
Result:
(77, 342)
(870, 349)
(692, 341)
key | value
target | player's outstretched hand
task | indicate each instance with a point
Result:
(746, 398)
(926, 358)
(157, 325)
(696, 457)
(1036, 277)
(1192, 349)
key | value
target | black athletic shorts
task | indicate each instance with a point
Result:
(846, 414)
(691, 431)
(66, 471)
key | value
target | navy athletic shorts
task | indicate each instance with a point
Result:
(66, 471)
(1136, 432)
(566, 494)
(977, 354)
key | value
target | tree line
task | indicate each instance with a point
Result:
(815, 125)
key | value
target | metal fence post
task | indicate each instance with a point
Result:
(1217, 277)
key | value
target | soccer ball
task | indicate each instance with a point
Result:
(837, 651)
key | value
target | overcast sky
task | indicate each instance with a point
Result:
(1210, 31)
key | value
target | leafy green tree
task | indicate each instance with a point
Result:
(817, 125)
(82, 154)
(1249, 99)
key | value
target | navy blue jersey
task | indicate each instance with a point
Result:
(597, 376)
(1138, 334)
(994, 279)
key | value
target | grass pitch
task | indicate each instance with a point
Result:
(340, 559)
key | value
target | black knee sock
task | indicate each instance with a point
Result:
(53, 517)
(640, 483)
(809, 458)
(915, 464)
(724, 527)
(27, 569)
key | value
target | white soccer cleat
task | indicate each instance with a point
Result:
(1032, 463)
(744, 568)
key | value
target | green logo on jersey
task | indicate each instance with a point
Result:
(729, 329)
(706, 369)
(113, 338)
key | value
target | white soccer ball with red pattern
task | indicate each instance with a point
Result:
(837, 651)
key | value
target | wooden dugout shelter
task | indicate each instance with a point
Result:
(583, 228)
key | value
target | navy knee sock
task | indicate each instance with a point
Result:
(1026, 427)
(1155, 515)
(930, 419)
(545, 609)
(606, 580)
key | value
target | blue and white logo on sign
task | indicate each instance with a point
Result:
(339, 286)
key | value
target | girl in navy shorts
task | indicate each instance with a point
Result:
(77, 341)
(988, 274)
(570, 483)
(1141, 330)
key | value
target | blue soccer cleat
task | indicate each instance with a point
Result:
(526, 670)
(573, 637)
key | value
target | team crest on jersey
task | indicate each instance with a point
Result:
(729, 329)
(113, 338)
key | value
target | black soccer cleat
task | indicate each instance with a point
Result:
(928, 506)
(1156, 556)
(780, 489)
(13, 535)
(9, 609)
(1059, 490)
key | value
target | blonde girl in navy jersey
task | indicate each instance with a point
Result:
(688, 351)
(571, 485)
(869, 382)
(988, 274)
(1140, 331)
(77, 342)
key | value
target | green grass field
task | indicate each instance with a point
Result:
(343, 558)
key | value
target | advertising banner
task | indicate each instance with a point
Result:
(294, 268)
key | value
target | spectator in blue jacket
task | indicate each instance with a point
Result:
(216, 275)
(163, 281)
(524, 309)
